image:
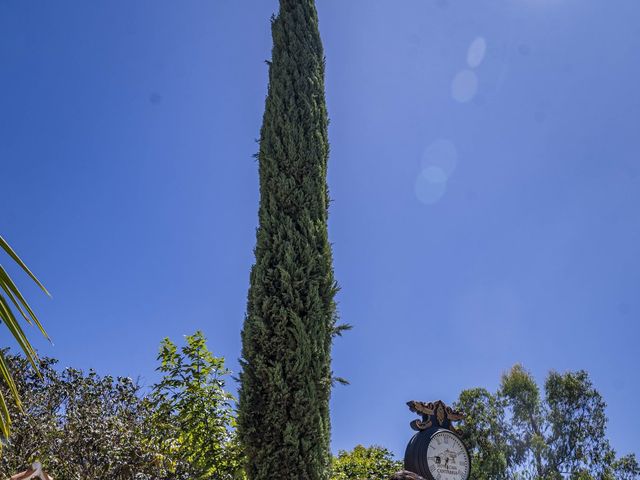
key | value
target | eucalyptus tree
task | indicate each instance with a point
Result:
(527, 432)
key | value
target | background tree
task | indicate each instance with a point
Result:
(286, 340)
(79, 425)
(11, 299)
(485, 434)
(193, 416)
(365, 463)
(625, 468)
(518, 433)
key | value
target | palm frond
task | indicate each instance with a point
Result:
(11, 298)
(7, 248)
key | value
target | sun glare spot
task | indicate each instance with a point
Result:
(441, 153)
(464, 86)
(476, 52)
(431, 185)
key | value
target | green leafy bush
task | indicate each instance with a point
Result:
(83, 425)
(365, 463)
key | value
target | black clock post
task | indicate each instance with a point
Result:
(436, 451)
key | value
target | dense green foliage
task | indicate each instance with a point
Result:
(11, 299)
(290, 321)
(365, 463)
(79, 425)
(193, 416)
(87, 426)
(521, 433)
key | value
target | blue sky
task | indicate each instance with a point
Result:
(484, 173)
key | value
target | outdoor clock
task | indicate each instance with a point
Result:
(436, 452)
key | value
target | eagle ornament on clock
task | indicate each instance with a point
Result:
(436, 452)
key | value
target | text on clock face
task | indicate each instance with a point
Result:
(447, 457)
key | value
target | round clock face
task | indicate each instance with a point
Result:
(447, 457)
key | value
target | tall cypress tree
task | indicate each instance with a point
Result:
(286, 340)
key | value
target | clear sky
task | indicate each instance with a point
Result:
(484, 173)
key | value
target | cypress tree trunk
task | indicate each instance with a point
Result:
(286, 340)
